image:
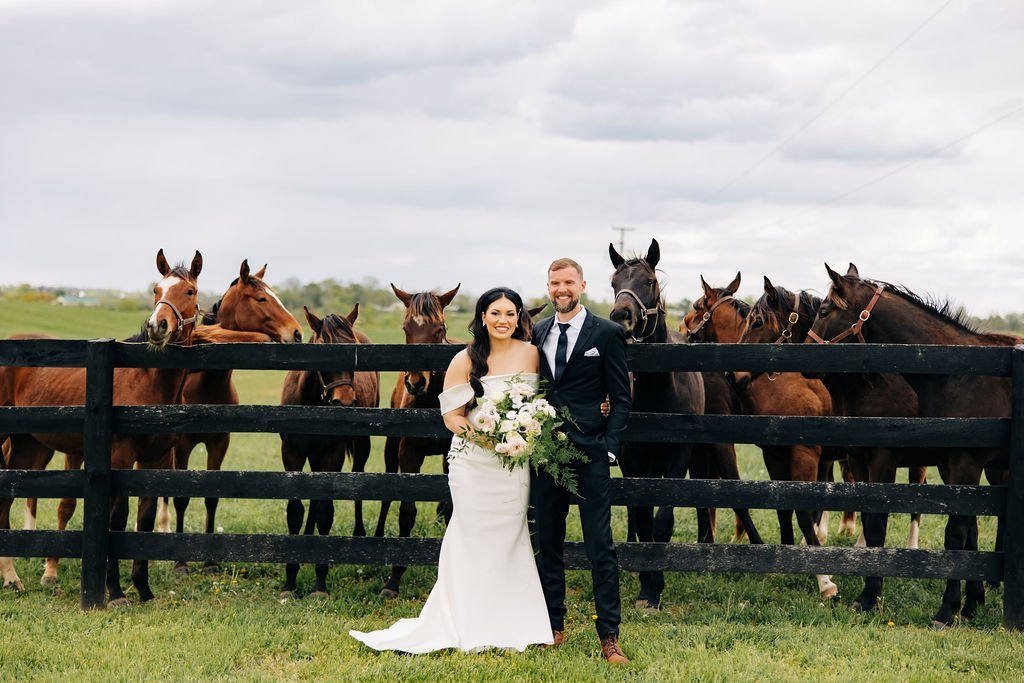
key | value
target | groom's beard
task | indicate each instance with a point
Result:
(573, 303)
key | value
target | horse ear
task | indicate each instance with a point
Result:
(261, 272)
(161, 263)
(243, 272)
(653, 254)
(734, 285)
(353, 314)
(616, 257)
(197, 265)
(404, 297)
(708, 290)
(315, 323)
(770, 291)
(852, 271)
(536, 310)
(836, 278)
(447, 297)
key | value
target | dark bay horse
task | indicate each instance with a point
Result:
(782, 316)
(640, 310)
(249, 311)
(424, 323)
(326, 453)
(172, 321)
(876, 312)
(787, 393)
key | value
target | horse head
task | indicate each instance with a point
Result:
(175, 302)
(638, 306)
(336, 388)
(250, 305)
(846, 308)
(710, 320)
(780, 316)
(423, 324)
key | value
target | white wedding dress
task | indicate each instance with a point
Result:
(488, 592)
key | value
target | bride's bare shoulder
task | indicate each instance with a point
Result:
(531, 356)
(458, 369)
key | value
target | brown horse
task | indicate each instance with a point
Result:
(782, 316)
(424, 324)
(326, 453)
(877, 312)
(172, 321)
(640, 309)
(787, 393)
(249, 311)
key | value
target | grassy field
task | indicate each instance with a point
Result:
(231, 625)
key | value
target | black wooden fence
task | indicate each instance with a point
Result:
(99, 420)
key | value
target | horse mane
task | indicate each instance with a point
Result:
(426, 304)
(180, 270)
(640, 261)
(944, 308)
(335, 328)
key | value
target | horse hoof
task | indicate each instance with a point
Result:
(285, 596)
(47, 581)
(181, 569)
(939, 625)
(119, 603)
(647, 606)
(16, 585)
(388, 594)
(211, 568)
(829, 591)
(320, 595)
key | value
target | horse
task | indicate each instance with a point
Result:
(716, 460)
(172, 321)
(860, 310)
(640, 310)
(249, 311)
(326, 453)
(723, 318)
(781, 316)
(424, 323)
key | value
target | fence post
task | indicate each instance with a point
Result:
(98, 436)
(1013, 545)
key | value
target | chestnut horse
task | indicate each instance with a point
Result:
(249, 311)
(877, 312)
(424, 324)
(781, 316)
(640, 310)
(326, 453)
(787, 393)
(172, 321)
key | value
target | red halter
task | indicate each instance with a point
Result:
(854, 328)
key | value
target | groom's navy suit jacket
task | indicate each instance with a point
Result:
(596, 368)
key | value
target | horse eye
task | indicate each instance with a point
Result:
(155, 290)
(190, 292)
(262, 300)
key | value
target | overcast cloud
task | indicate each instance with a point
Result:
(428, 143)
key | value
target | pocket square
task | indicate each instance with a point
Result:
(591, 353)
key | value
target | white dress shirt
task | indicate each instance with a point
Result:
(572, 334)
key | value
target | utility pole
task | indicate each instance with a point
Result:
(622, 236)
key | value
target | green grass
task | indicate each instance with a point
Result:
(231, 626)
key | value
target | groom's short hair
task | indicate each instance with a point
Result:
(560, 263)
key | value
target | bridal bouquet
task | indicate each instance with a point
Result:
(521, 425)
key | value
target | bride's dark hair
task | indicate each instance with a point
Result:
(480, 348)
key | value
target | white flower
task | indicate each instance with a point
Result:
(516, 444)
(523, 389)
(507, 426)
(512, 414)
(501, 448)
(483, 421)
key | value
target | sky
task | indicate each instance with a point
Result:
(430, 143)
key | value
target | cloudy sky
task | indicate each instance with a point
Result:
(432, 142)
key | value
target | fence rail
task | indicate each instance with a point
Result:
(99, 420)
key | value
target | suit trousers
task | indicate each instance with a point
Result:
(550, 507)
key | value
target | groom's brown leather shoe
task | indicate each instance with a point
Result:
(611, 651)
(557, 638)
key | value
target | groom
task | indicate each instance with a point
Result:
(583, 359)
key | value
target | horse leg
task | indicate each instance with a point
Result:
(409, 460)
(997, 477)
(917, 475)
(804, 467)
(21, 453)
(118, 522)
(700, 468)
(145, 521)
(956, 539)
(183, 447)
(41, 458)
(323, 513)
(391, 445)
(652, 583)
(874, 525)
(294, 511)
(974, 590)
(776, 461)
(725, 463)
(216, 450)
(848, 522)
(360, 455)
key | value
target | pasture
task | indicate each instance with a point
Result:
(713, 627)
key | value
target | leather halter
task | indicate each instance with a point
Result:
(325, 387)
(794, 318)
(644, 312)
(706, 318)
(855, 328)
(182, 321)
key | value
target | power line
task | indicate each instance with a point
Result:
(935, 152)
(622, 236)
(807, 124)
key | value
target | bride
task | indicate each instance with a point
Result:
(488, 592)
